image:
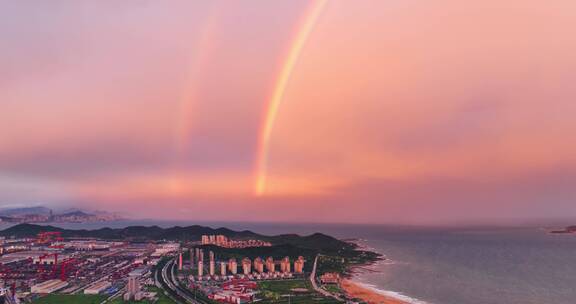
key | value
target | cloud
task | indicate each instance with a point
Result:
(396, 110)
(80, 159)
(448, 200)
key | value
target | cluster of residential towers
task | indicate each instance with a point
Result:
(231, 266)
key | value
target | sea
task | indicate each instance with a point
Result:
(439, 265)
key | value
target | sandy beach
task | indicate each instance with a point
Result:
(358, 291)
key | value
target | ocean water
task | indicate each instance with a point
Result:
(523, 265)
(477, 266)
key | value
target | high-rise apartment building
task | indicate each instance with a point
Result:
(270, 265)
(200, 268)
(246, 266)
(223, 268)
(258, 265)
(233, 266)
(285, 265)
(299, 265)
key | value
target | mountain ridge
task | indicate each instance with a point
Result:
(176, 233)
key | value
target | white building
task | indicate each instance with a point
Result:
(133, 290)
(48, 286)
(97, 288)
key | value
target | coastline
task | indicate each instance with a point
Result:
(367, 294)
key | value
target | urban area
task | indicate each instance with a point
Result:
(50, 269)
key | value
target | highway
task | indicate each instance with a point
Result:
(160, 285)
(168, 276)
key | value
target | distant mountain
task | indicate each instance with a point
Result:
(83, 212)
(68, 210)
(76, 213)
(14, 212)
(75, 217)
(41, 214)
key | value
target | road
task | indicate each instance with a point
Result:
(315, 286)
(168, 274)
(118, 294)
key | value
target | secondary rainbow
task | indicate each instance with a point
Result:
(189, 97)
(302, 34)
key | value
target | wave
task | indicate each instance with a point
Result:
(387, 293)
(391, 294)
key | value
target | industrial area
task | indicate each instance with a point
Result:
(32, 267)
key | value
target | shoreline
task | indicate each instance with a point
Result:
(368, 294)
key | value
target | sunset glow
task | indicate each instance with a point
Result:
(358, 111)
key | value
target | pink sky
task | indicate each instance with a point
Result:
(392, 111)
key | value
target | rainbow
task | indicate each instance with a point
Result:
(189, 96)
(302, 34)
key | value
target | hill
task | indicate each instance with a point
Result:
(177, 233)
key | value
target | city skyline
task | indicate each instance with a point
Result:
(297, 111)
